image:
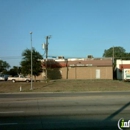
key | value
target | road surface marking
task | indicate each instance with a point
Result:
(11, 112)
(8, 123)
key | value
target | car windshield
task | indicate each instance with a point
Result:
(22, 76)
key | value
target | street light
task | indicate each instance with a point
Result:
(31, 60)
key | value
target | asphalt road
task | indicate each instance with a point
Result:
(64, 111)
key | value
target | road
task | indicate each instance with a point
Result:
(64, 111)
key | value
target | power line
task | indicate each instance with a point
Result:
(11, 57)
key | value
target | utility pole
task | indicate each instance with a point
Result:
(46, 51)
(31, 61)
(113, 54)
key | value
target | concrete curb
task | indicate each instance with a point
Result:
(68, 92)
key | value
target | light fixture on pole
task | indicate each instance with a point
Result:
(31, 62)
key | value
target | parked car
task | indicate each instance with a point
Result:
(19, 78)
(3, 78)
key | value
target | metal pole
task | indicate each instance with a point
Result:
(46, 55)
(113, 54)
(46, 49)
(31, 61)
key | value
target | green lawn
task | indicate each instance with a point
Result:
(66, 86)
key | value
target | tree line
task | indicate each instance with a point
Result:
(25, 66)
(116, 53)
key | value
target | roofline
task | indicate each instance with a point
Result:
(79, 59)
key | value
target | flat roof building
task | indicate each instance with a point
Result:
(79, 68)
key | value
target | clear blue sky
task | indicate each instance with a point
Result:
(78, 27)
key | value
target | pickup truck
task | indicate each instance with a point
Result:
(19, 78)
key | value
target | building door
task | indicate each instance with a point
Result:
(97, 74)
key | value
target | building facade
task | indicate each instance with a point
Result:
(84, 68)
(120, 65)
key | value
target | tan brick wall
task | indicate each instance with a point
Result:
(71, 73)
(87, 72)
(63, 72)
(80, 73)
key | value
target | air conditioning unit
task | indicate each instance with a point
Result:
(60, 57)
(90, 56)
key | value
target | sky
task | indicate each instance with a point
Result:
(78, 28)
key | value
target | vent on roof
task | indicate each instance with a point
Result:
(60, 57)
(90, 56)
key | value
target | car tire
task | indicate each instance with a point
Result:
(27, 81)
(13, 81)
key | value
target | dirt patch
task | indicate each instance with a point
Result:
(65, 86)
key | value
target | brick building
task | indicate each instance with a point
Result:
(84, 68)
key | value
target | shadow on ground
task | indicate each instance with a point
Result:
(54, 123)
(64, 122)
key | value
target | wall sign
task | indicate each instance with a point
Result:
(72, 65)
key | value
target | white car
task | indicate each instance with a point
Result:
(2, 78)
(19, 78)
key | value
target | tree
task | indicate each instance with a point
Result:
(118, 52)
(3, 66)
(26, 62)
(14, 71)
(126, 56)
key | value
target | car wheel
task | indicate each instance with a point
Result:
(27, 81)
(13, 81)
